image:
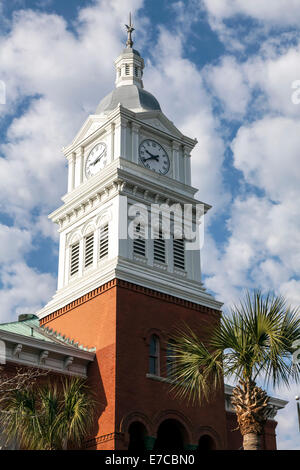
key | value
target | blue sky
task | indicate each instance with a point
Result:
(222, 70)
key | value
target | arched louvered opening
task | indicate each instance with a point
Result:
(104, 240)
(139, 242)
(89, 250)
(179, 253)
(74, 262)
(159, 245)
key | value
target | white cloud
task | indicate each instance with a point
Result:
(228, 82)
(278, 12)
(13, 243)
(24, 290)
(169, 78)
(267, 152)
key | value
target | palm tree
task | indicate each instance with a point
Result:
(254, 342)
(49, 417)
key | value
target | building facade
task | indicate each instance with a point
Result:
(127, 276)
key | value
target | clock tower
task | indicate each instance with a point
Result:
(129, 272)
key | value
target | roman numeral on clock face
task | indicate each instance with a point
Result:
(154, 157)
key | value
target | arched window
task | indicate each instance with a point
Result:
(171, 436)
(137, 433)
(171, 360)
(154, 355)
(206, 442)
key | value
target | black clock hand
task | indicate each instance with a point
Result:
(154, 157)
(97, 159)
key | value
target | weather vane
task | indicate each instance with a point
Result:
(130, 30)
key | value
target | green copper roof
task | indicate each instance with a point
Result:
(28, 326)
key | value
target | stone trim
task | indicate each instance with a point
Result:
(104, 438)
(133, 287)
(81, 300)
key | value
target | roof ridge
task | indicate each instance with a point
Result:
(64, 339)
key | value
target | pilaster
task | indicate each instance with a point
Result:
(135, 128)
(71, 171)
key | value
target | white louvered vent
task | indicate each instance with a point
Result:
(139, 243)
(89, 250)
(74, 259)
(103, 248)
(127, 69)
(178, 254)
(160, 249)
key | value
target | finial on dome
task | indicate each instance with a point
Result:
(130, 30)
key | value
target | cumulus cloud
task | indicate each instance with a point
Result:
(14, 242)
(169, 76)
(229, 84)
(279, 12)
(24, 290)
(55, 77)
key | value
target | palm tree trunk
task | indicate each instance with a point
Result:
(252, 441)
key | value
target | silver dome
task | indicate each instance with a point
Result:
(131, 97)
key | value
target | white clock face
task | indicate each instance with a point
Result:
(153, 156)
(96, 160)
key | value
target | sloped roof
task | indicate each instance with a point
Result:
(131, 97)
(30, 328)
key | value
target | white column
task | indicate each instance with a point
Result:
(81, 257)
(187, 165)
(96, 247)
(175, 152)
(81, 165)
(117, 139)
(71, 176)
(123, 138)
(135, 142)
(110, 143)
(61, 261)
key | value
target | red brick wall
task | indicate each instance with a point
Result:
(92, 322)
(118, 320)
(139, 315)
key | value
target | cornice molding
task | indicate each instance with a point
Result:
(130, 286)
(120, 181)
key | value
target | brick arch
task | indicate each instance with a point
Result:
(127, 420)
(154, 331)
(177, 416)
(209, 431)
